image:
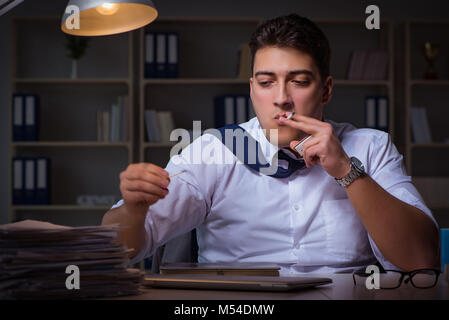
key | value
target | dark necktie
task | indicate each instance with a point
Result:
(281, 172)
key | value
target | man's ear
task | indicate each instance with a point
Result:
(327, 90)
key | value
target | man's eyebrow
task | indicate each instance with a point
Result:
(290, 73)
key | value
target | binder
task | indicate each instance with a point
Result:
(224, 108)
(18, 193)
(173, 55)
(370, 112)
(382, 113)
(150, 52)
(18, 117)
(30, 180)
(241, 109)
(161, 55)
(31, 117)
(42, 194)
(251, 111)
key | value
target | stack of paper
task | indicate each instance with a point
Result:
(40, 260)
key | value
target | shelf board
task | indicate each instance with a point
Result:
(346, 82)
(70, 144)
(158, 144)
(59, 207)
(206, 19)
(246, 81)
(72, 81)
(430, 145)
(423, 82)
(196, 81)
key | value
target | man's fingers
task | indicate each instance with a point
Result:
(311, 141)
(311, 155)
(143, 186)
(307, 124)
(148, 167)
(146, 176)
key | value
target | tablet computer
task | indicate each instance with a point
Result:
(231, 282)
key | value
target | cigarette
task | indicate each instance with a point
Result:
(290, 115)
(174, 175)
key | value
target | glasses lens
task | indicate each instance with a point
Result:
(424, 278)
(390, 279)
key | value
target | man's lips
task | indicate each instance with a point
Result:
(281, 116)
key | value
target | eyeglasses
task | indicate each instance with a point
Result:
(392, 279)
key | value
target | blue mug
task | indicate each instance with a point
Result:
(444, 247)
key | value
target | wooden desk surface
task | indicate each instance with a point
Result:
(342, 288)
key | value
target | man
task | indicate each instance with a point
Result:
(350, 206)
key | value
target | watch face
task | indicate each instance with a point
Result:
(358, 164)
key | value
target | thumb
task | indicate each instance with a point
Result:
(293, 144)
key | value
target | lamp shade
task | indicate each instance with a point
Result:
(99, 18)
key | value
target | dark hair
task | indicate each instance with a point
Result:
(295, 32)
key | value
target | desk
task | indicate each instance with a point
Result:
(342, 288)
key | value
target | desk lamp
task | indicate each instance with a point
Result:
(99, 18)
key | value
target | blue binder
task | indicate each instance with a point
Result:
(18, 117)
(150, 54)
(30, 180)
(18, 181)
(172, 55)
(371, 112)
(31, 103)
(225, 110)
(42, 193)
(161, 55)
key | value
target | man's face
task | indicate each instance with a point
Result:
(286, 80)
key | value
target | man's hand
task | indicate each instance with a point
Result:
(323, 148)
(142, 185)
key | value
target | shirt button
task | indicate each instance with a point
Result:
(297, 246)
(297, 207)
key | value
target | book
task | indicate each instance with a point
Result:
(115, 122)
(106, 125)
(357, 64)
(222, 268)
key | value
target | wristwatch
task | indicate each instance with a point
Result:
(357, 170)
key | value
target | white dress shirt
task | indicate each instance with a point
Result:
(305, 222)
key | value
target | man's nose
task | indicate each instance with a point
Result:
(283, 99)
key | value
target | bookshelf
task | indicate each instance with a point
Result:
(208, 56)
(114, 65)
(80, 165)
(200, 78)
(348, 101)
(427, 162)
